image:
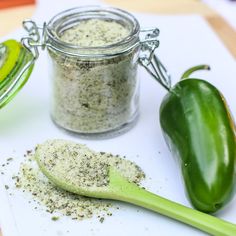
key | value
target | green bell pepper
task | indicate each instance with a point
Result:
(200, 132)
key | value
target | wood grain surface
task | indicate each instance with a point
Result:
(226, 33)
(10, 19)
(163, 6)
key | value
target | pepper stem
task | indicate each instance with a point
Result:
(188, 72)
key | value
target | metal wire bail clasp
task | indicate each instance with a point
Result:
(147, 58)
(34, 40)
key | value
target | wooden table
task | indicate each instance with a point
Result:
(11, 19)
(220, 26)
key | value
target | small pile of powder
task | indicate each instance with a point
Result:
(85, 168)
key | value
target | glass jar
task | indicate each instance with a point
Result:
(95, 88)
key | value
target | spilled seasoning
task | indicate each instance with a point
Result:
(89, 165)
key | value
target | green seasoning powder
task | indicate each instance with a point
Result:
(94, 95)
(95, 33)
(83, 167)
(86, 168)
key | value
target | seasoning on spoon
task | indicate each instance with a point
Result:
(31, 180)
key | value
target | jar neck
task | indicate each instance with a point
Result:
(67, 19)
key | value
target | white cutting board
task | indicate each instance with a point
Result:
(25, 122)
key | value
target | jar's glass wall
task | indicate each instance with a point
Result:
(95, 88)
(94, 96)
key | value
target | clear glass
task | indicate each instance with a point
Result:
(95, 89)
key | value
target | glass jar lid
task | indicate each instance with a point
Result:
(16, 64)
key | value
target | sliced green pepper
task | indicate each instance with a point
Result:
(199, 131)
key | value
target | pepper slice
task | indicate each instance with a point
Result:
(16, 64)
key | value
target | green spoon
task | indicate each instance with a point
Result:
(119, 188)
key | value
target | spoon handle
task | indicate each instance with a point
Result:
(129, 192)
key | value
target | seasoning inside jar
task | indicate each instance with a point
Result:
(95, 87)
(95, 33)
